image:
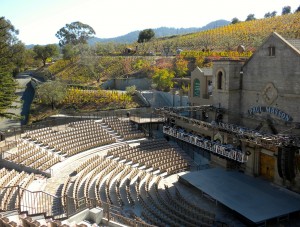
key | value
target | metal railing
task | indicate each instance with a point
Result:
(7, 146)
(14, 133)
(42, 203)
(147, 119)
(234, 154)
(250, 135)
(110, 212)
(127, 221)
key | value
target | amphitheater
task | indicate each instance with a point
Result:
(100, 172)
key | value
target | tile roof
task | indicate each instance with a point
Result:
(207, 71)
(295, 43)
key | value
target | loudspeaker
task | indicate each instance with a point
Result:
(280, 162)
(286, 163)
(290, 168)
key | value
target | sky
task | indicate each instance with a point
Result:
(39, 20)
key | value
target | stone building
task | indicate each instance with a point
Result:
(254, 108)
(201, 79)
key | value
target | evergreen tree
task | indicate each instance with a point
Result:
(286, 10)
(250, 17)
(7, 94)
(11, 52)
(146, 35)
(267, 15)
(235, 20)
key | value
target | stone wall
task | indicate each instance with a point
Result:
(174, 100)
(273, 80)
(228, 96)
(121, 84)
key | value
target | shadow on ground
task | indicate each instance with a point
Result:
(27, 98)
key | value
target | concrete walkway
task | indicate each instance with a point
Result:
(5, 124)
(62, 170)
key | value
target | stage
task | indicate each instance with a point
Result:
(253, 198)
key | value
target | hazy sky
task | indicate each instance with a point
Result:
(39, 20)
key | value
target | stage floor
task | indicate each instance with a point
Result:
(255, 199)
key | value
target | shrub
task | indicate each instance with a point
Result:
(130, 90)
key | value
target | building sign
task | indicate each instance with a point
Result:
(196, 88)
(271, 110)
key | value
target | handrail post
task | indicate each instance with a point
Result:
(108, 212)
(67, 205)
(19, 203)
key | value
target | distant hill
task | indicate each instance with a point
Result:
(159, 32)
(30, 46)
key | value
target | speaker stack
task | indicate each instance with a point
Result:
(286, 163)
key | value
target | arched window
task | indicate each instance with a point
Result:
(196, 88)
(219, 80)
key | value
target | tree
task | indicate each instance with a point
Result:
(109, 48)
(228, 42)
(29, 59)
(166, 48)
(146, 35)
(181, 67)
(286, 10)
(163, 78)
(235, 20)
(273, 14)
(75, 33)
(297, 10)
(45, 52)
(11, 52)
(7, 94)
(164, 63)
(69, 52)
(206, 40)
(18, 59)
(250, 17)
(267, 15)
(130, 90)
(142, 64)
(90, 61)
(51, 93)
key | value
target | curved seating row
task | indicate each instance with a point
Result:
(157, 155)
(108, 179)
(11, 183)
(32, 155)
(124, 128)
(77, 137)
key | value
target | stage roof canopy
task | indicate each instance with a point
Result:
(254, 198)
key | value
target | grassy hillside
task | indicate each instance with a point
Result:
(98, 69)
(250, 34)
(159, 32)
(198, 50)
